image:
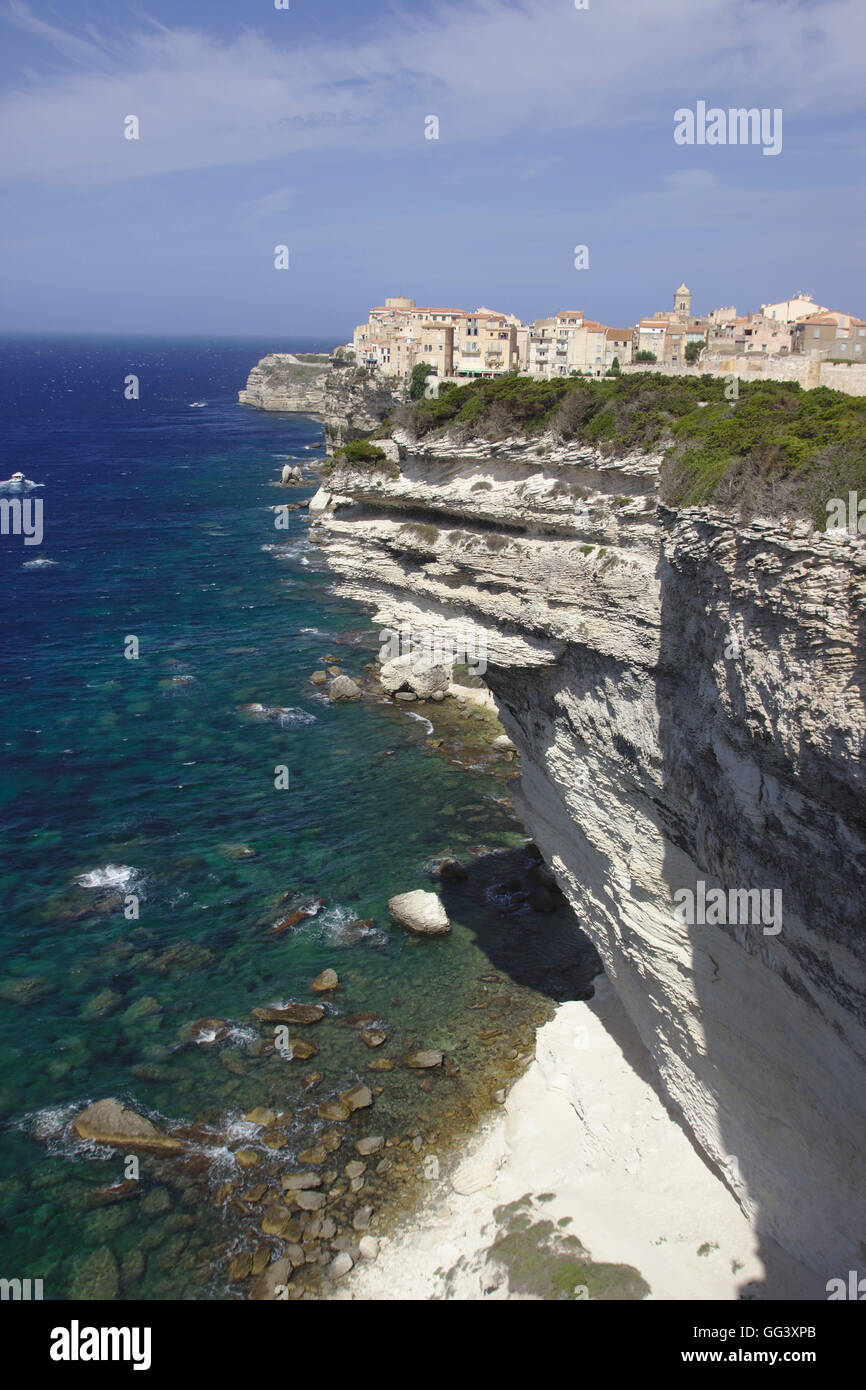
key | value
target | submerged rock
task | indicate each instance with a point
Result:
(420, 912)
(422, 1060)
(209, 1030)
(97, 1277)
(291, 1013)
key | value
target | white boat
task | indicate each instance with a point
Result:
(197, 405)
(18, 483)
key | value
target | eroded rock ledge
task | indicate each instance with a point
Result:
(687, 695)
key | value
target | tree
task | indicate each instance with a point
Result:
(614, 368)
(418, 380)
(645, 356)
(693, 352)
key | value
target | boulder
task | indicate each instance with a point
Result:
(362, 1218)
(374, 1037)
(372, 1144)
(272, 1281)
(274, 1220)
(298, 1182)
(357, 1098)
(415, 673)
(344, 688)
(333, 1110)
(260, 1116)
(452, 869)
(328, 980)
(420, 912)
(504, 742)
(309, 1200)
(291, 475)
(109, 1122)
(340, 1265)
(317, 1154)
(319, 503)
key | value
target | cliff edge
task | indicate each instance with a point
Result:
(349, 401)
(686, 690)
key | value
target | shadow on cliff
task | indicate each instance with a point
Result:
(733, 813)
(523, 923)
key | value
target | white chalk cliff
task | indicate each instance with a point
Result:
(687, 695)
(348, 401)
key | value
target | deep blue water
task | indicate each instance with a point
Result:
(143, 777)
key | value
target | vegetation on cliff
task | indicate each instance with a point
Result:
(362, 455)
(773, 448)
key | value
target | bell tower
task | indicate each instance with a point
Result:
(683, 304)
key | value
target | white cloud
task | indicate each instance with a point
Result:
(488, 68)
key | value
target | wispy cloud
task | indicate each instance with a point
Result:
(488, 68)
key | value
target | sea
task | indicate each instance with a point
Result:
(191, 830)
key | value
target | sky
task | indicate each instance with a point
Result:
(307, 127)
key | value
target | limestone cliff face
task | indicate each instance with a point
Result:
(687, 695)
(350, 402)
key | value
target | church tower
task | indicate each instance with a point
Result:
(683, 304)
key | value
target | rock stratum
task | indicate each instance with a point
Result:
(348, 401)
(686, 691)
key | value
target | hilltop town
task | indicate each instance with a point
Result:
(457, 343)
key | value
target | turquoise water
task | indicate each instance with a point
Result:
(129, 779)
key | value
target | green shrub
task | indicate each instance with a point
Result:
(418, 380)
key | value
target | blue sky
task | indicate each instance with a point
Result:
(306, 127)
